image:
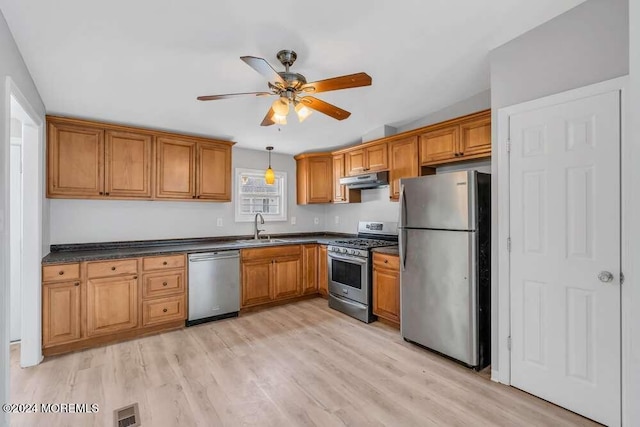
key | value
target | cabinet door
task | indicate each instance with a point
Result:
(377, 159)
(403, 164)
(475, 136)
(287, 277)
(310, 269)
(112, 305)
(128, 164)
(386, 294)
(214, 172)
(339, 192)
(355, 162)
(75, 161)
(439, 145)
(60, 313)
(175, 168)
(323, 271)
(256, 282)
(319, 180)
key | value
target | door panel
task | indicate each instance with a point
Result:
(176, 162)
(319, 180)
(339, 191)
(565, 230)
(61, 313)
(403, 163)
(256, 282)
(438, 293)
(310, 268)
(355, 162)
(323, 271)
(128, 164)
(112, 305)
(286, 277)
(439, 145)
(376, 157)
(475, 136)
(214, 172)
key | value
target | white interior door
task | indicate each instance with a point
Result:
(565, 235)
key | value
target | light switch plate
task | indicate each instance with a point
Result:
(336, 219)
(293, 220)
(316, 220)
(219, 222)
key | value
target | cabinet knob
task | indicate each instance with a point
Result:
(101, 193)
(193, 197)
(61, 273)
(113, 269)
(77, 284)
(135, 277)
(198, 197)
(164, 263)
(386, 261)
(106, 194)
(164, 283)
(164, 310)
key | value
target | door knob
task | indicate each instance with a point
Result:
(605, 276)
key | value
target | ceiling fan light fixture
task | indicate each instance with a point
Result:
(281, 107)
(279, 119)
(302, 111)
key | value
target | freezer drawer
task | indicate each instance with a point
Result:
(438, 292)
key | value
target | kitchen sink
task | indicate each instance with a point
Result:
(261, 241)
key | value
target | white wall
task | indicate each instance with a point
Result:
(11, 65)
(15, 215)
(82, 221)
(633, 275)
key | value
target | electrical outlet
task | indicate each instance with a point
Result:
(293, 220)
(336, 219)
(219, 222)
(316, 220)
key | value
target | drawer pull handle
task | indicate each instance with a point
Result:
(77, 284)
(164, 283)
(113, 269)
(164, 263)
(164, 310)
(135, 277)
(61, 273)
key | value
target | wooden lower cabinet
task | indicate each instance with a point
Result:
(323, 270)
(256, 282)
(386, 287)
(61, 321)
(310, 269)
(287, 277)
(112, 305)
(111, 300)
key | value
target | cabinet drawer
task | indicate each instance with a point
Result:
(163, 262)
(51, 273)
(163, 310)
(391, 262)
(270, 253)
(162, 284)
(112, 268)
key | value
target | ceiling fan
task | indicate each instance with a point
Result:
(293, 89)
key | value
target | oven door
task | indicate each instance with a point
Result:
(349, 277)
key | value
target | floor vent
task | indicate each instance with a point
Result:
(129, 416)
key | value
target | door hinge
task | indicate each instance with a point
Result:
(621, 278)
(509, 342)
(508, 145)
(508, 244)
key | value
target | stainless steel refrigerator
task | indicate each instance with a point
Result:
(445, 271)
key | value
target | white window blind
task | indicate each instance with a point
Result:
(254, 195)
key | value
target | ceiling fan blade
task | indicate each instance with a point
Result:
(337, 83)
(231, 95)
(325, 108)
(264, 68)
(268, 119)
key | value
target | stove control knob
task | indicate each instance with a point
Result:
(344, 251)
(354, 252)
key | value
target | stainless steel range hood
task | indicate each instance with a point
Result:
(369, 180)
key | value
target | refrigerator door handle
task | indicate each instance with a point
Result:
(402, 236)
(403, 208)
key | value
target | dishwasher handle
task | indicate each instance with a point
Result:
(210, 256)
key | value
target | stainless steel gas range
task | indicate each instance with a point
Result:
(350, 281)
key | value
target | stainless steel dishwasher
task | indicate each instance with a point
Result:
(214, 286)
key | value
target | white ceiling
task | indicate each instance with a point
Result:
(143, 62)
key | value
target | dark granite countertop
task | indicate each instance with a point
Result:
(388, 250)
(113, 250)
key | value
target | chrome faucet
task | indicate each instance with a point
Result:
(256, 230)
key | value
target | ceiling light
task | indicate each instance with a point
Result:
(279, 119)
(281, 107)
(269, 176)
(302, 111)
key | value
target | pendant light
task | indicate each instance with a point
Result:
(269, 176)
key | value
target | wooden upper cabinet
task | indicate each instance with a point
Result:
(75, 160)
(176, 162)
(403, 163)
(355, 161)
(377, 159)
(128, 164)
(314, 177)
(339, 193)
(61, 313)
(213, 172)
(112, 304)
(439, 145)
(475, 136)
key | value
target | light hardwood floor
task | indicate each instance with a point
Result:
(298, 364)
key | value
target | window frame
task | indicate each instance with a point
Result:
(281, 178)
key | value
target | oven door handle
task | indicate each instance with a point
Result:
(348, 302)
(348, 258)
